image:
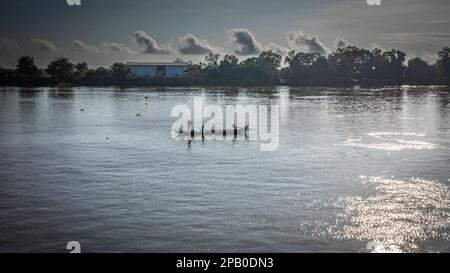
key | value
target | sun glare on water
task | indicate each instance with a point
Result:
(400, 215)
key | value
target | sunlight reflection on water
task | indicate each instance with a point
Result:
(391, 141)
(401, 214)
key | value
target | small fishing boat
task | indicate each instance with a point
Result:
(230, 132)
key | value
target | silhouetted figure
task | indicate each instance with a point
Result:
(203, 129)
(235, 129)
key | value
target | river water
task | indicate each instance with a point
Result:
(357, 170)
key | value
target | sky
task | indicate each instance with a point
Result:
(102, 32)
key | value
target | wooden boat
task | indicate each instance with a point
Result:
(228, 132)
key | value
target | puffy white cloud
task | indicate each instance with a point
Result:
(82, 46)
(278, 49)
(374, 46)
(310, 43)
(195, 46)
(103, 48)
(150, 45)
(341, 42)
(248, 45)
(115, 47)
(44, 45)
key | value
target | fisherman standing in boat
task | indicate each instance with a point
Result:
(189, 129)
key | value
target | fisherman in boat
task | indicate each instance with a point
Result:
(190, 127)
(189, 124)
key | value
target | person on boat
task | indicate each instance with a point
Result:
(189, 123)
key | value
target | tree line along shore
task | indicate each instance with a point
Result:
(345, 67)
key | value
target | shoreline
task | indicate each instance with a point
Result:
(224, 86)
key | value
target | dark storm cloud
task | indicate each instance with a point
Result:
(150, 45)
(248, 45)
(194, 46)
(306, 41)
(44, 45)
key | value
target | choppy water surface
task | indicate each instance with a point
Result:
(357, 170)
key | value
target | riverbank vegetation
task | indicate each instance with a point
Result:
(344, 67)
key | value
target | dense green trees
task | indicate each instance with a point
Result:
(81, 71)
(7, 76)
(120, 73)
(261, 70)
(346, 66)
(443, 64)
(27, 72)
(420, 72)
(61, 70)
(306, 69)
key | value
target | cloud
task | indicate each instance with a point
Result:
(341, 42)
(44, 45)
(275, 48)
(430, 57)
(248, 45)
(115, 47)
(415, 37)
(430, 21)
(311, 43)
(374, 46)
(151, 46)
(7, 44)
(80, 45)
(194, 46)
(103, 48)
